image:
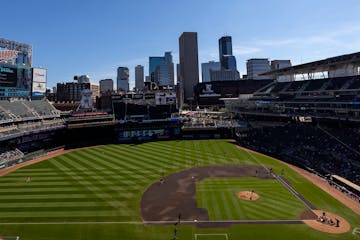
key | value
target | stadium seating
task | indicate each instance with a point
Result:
(315, 85)
(328, 150)
(22, 109)
(320, 85)
(18, 117)
(8, 155)
(355, 84)
(17, 108)
(43, 108)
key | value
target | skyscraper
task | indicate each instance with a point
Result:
(153, 63)
(226, 57)
(139, 77)
(189, 63)
(227, 71)
(225, 46)
(123, 78)
(229, 62)
(205, 70)
(164, 72)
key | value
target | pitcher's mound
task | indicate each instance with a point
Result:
(328, 222)
(248, 195)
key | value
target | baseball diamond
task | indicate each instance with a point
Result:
(123, 192)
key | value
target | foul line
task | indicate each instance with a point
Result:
(285, 184)
(284, 221)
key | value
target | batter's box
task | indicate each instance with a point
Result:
(211, 236)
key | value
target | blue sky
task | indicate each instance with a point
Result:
(73, 37)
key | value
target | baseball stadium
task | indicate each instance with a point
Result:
(189, 189)
(283, 164)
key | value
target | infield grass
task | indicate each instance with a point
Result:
(105, 183)
(219, 197)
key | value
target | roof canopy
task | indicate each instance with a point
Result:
(327, 64)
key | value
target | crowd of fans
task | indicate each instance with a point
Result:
(8, 155)
(327, 150)
(23, 127)
(19, 116)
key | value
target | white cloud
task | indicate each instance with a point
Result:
(237, 50)
(328, 37)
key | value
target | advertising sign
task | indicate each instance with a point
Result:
(165, 98)
(38, 81)
(39, 75)
(39, 87)
(7, 55)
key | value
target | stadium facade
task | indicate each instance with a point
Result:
(17, 76)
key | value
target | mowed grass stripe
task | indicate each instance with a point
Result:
(108, 180)
(44, 196)
(228, 210)
(17, 179)
(53, 214)
(35, 184)
(222, 201)
(33, 170)
(131, 173)
(36, 190)
(190, 153)
(158, 159)
(94, 189)
(275, 202)
(133, 161)
(105, 186)
(117, 169)
(53, 204)
(181, 158)
(91, 161)
(118, 165)
(161, 153)
(58, 208)
(34, 174)
(216, 213)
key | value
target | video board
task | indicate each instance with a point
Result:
(8, 77)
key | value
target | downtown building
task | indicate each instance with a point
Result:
(224, 75)
(228, 70)
(153, 63)
(207, 67)
(161, 70)
(122, 79)
(70, 91)
(189, 66)
(139, 78)
(226, 57)
(164, 72)
(256, 66)
(279, 64)
(106, 86)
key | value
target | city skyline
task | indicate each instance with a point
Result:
(72, 41)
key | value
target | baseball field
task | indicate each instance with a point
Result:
(140, 191)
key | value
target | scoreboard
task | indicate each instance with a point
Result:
(8, 77)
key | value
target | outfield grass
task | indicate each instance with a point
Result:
(105, 184)
(219, 197)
